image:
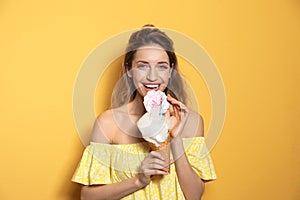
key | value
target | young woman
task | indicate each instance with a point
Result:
(118, 163)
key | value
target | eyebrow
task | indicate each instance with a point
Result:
(145, 62)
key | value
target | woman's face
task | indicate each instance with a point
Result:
(150, 69)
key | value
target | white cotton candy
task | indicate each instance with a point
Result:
(154, 130)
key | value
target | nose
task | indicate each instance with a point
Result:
(152, 74)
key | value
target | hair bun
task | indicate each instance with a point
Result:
(148, 26)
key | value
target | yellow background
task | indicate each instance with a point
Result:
(255, 45)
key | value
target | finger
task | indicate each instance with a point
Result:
(158, 163)
(171, 108)
(150, 159)
(172, 100)
(167, 114)
(177, 104)
(176, 112)
(172, 161)
(156, 154)
(151, 172)
(169, 96)
(155, 165)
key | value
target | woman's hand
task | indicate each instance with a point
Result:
(153, 164)
(178, 114)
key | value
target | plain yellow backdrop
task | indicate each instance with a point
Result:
(255, 45)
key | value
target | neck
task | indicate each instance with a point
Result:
(136, 106)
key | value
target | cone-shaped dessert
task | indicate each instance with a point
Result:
(154, 126)
(163, 149)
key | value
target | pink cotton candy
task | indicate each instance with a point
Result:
(155, 99)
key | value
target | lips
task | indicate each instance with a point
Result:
(151, 86)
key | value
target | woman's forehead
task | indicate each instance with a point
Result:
(151, 53)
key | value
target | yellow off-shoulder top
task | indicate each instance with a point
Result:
(111, 163)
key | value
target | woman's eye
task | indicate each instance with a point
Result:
(163, 67)
(142, 67)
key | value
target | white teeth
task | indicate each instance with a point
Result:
(151, 86)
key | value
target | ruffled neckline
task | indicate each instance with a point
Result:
(143, 143)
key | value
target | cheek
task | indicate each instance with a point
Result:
(137, 77)
(165, 77)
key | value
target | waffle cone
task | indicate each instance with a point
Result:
(163, 149)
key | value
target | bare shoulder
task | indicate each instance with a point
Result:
(105, 117)
(104, 128)
(194, 125)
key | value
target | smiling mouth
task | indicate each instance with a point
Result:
(151, 86)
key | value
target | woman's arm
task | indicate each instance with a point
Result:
(153, 164)
(111, 191)
(190, 183)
